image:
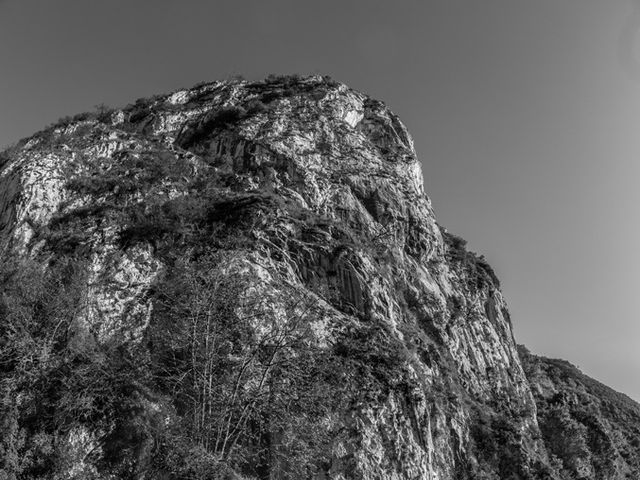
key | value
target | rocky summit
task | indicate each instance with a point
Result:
(246, 280)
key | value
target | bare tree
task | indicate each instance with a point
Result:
(224, 346)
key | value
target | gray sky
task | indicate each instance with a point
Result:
(525, 115)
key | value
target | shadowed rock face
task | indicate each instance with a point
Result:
(296, 191)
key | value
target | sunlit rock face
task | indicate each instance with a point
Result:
(303, 187)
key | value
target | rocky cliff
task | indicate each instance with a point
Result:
(247, 280)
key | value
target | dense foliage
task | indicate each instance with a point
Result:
(591, 430)
(55, 381)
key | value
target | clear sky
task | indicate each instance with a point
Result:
(526, 115)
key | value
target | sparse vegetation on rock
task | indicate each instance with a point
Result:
(245, 280)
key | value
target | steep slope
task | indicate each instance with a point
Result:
(247, 278)
(592, 431)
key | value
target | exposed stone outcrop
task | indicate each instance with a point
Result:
(303, 186)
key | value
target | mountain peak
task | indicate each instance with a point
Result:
(247, 278)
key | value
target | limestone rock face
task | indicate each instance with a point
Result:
(300, 188)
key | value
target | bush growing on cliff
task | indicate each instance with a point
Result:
(255, 107)
(476, 268)
(224, 118)
(103, 113)
(125, 172)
